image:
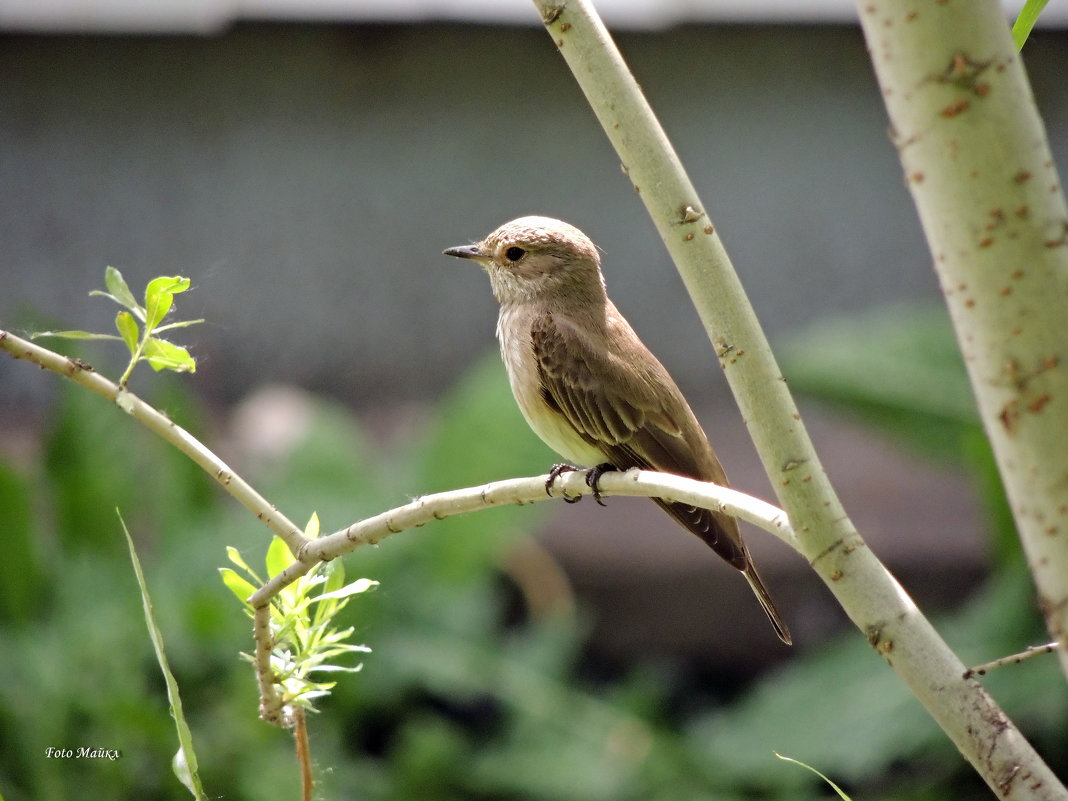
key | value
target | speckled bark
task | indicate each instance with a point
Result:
(978, 165)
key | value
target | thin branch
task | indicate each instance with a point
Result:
(158, 423)
(866, 590)
(300, 737)
(522, 491)
(1013, 659)
(270, 698)
(516, 491)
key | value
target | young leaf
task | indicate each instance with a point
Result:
(355, 588)
(127, 325)
(164, 355)
(159, 296)
(71, 335)
(118, 289)
(234, 556)
(278, 557)
(238, 585)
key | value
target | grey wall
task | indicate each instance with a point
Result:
(307, 178)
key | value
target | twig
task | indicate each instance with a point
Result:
(300, 737)
(1013, 659)
(270, 698)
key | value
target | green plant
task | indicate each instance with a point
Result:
(139, 326)
(306, 639)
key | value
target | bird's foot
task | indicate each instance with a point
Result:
(557, 471)
(594, 476)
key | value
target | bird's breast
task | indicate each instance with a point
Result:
(513, 333)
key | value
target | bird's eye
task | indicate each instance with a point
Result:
(514, 253)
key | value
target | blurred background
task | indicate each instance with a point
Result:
(305, 164)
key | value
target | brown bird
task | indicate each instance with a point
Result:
(588, 386)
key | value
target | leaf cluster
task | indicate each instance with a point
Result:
(139, 325)
(302, 628)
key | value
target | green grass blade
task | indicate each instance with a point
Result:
(185, 763)
(835, 787)
(1025, 22)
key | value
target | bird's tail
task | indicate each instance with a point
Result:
(720, 532)
(768, 605)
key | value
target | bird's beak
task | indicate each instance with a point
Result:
(466, 252)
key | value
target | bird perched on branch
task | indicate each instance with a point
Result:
(588, 386)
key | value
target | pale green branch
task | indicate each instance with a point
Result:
(978, 165)
(866, 591)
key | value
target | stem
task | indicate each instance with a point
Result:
(1012, 659)
(866, 590)
(979, 168)
(300, 737)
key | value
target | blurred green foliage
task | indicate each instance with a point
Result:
(463, 697)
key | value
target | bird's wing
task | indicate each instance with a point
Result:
(612, 404)
(634, 413)
(636, 416)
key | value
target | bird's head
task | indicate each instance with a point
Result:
(538, 258)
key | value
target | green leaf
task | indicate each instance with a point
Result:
(186, 767)
(71, 335)
(335, 575)
(180, 767)
(164, 355)
(279, 557)
(355, 588)
(120, 291)
(833, 786)
(1025, 22)
(235, 557)
(238, 585)
(178, 324)
(159, 296)
(127, 325)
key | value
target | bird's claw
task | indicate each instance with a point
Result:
(557, 471)
(594, 476)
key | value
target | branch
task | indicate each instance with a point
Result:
(979, 168)
(867, 592)
(155, 421)
(1012, 659)
(522, 491)
(516, 491)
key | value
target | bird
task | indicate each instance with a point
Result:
(589, 387)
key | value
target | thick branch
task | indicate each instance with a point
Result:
(979, 168)
(868, 593)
